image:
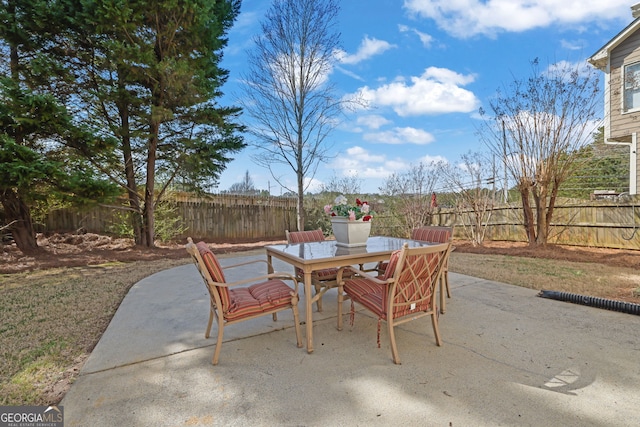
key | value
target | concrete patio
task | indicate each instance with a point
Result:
(509, 358)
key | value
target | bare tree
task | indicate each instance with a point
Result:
(345, 185)
(411, 195)
(537, 128)
(474, 202)
(246, 186)
(288, 93)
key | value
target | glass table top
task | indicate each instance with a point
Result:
(330, 249)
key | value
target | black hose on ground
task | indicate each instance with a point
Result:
(608, 304)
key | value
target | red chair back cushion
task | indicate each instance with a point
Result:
(214, 269)
(306, 236)
(432, 234)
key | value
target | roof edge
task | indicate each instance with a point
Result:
(601, 57)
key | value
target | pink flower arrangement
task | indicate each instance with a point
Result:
(360, 211)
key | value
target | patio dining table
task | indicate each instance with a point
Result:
(314, 256)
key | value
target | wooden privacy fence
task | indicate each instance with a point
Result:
(239, 218)
(216, 218)
(235, 218)
(603, 224)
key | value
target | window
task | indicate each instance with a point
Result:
(631, 87)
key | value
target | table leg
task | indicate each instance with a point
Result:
(269, 263)
(308, 299)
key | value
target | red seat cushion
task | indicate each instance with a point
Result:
(371, 295)
(326, 274)
(258, 298)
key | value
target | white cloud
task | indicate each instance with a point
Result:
(425, 39)
(348, 73)
(372, 121)
(365, 165)
(359, 154)
(573, 45)
(373, 169)
(368, 47)
(436, 91)
(466, 18)
(312, 184)
(406, 135)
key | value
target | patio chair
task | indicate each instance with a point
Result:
(405, 292)
(433, 234)
(231, 303)
(322, 280)
(438, 234)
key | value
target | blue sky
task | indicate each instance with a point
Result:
(425, 67)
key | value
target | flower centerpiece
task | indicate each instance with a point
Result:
(351, 223)
(341, 208)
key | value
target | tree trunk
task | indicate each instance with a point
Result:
(542, 227)
(132, 187)
(149, 202)
(132, 191)
(300, 207)
(15, 208)
(527, 213)
(22, 229)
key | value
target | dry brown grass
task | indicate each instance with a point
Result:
(594, 279)
(50, 320)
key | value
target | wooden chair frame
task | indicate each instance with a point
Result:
(218, 309)
(406, 294)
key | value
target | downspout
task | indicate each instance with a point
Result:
(607, 304)
(633, 163)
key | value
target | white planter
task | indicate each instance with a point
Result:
(350, 233)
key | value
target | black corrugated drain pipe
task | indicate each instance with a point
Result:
(607, 304)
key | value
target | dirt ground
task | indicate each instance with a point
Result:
(69, 250)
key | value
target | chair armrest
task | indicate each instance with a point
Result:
(341, 271)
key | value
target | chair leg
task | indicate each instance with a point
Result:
(340, 302)
(436, 328)
(443, 301)
(446, 282)
(392, 338)
(207, 333)
(444, 286)
(319, 302)
(296, 320)
(216, 353)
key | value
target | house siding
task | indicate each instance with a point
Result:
(622, 125)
